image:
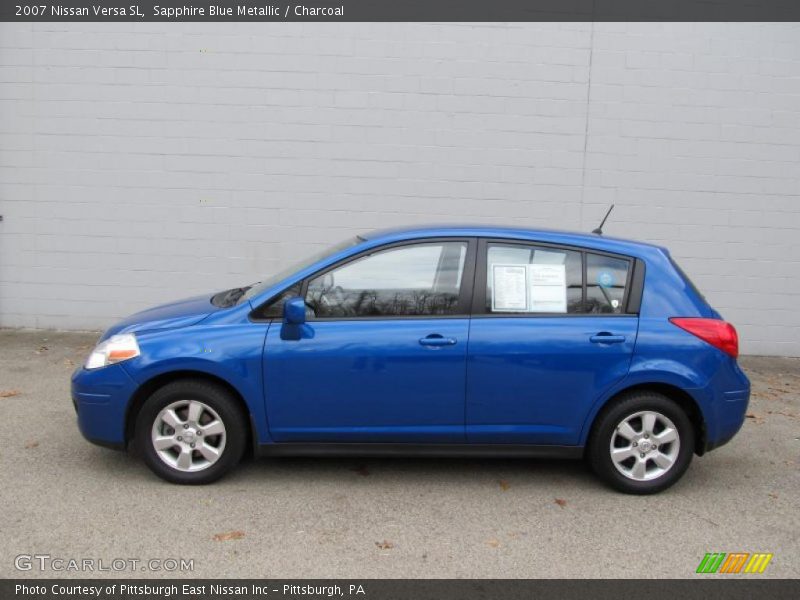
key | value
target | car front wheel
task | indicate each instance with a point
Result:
(642, 443)
(191, 432)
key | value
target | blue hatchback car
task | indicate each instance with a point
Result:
(435, 341)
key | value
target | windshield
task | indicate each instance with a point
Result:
(257, 288)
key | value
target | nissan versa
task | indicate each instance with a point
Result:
(439, 341)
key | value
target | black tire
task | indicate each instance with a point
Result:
(220, 401)
(599, 445)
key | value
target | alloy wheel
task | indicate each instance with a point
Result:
(645, 445)
(188, 435)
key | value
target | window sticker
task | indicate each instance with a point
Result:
(510, 288)
(548, 288)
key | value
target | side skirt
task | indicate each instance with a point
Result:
(419, 450)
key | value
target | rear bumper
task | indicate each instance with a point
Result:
(730, 415)
(725, 407)
(100, 398)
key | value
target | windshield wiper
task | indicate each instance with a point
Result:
(230, 297)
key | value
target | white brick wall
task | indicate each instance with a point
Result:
(144, 162)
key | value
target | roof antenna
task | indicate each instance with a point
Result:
(599, 230)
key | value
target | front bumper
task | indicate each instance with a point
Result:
(101, 398)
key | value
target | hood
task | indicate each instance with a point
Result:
(182, 313)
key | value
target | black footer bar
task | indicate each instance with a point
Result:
(705, 587)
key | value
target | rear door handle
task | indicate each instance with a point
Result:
(437, 340)
(607, 338)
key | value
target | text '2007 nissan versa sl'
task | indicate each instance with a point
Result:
(439, 341)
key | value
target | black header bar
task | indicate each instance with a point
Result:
(400, 10)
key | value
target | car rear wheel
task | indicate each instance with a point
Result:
(642, 443)
(191, 432)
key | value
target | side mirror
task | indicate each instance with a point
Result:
(294, 311)
(294, 326)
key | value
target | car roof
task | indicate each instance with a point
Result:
(553, 236)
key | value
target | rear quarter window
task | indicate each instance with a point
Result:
(686, 278)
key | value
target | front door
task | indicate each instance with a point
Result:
(383, 356)
(546, 345)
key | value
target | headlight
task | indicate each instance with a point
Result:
(113, 350)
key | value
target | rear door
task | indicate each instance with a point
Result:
(552, 330)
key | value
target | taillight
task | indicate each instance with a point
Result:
(719, 334)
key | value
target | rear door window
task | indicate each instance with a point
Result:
(536, 279)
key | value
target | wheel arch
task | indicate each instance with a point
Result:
(678, 395)
(149, 387)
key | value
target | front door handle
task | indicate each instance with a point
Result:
(435, 339)
(607, 338)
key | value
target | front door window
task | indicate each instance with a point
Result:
(416, 280)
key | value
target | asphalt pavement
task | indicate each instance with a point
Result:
(279, 518)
